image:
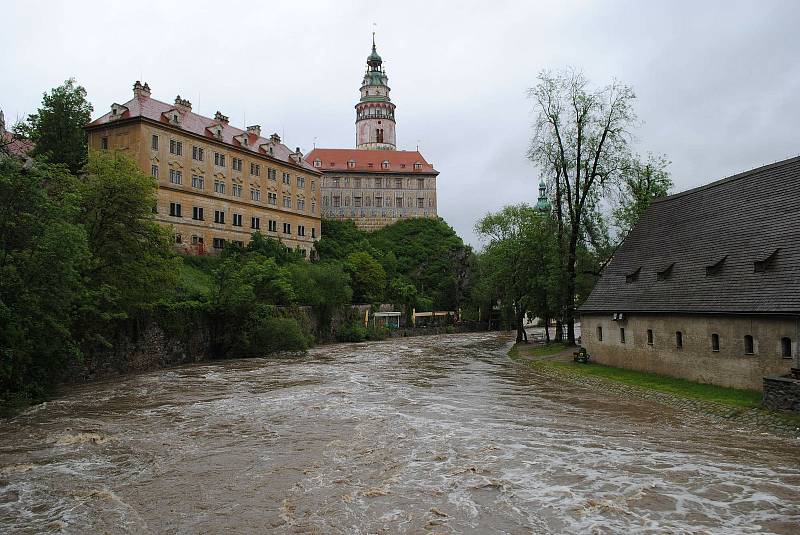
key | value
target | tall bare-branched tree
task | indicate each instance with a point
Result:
(581, 143)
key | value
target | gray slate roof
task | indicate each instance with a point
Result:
(743, 219)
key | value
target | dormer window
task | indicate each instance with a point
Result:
(417, 166)
(117, 111)
(317, 163)
(351, 164)
(633, 277)
(665, 273)
(385, 164)
(716, 267)
(768, 263)
(215, 130)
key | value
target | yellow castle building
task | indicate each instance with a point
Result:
(216, 182)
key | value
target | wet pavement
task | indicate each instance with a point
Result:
(431, 434)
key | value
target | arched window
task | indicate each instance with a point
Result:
(715, 342)
(786, 347)
(748, 345)
(599, 333)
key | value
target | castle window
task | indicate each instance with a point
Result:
(337, 201)
(255, 223)
(273, 225)
(313, 208)
(398, 183)
(313, 232)
(351, 164)
(197, 213)
(219, 216)
(301, 205)
(198, 153)
(287, 228)
(287, 202)
(237, 164)
(649, 337)
(272, 174)
(621, 335)
(786, 347)
(287, 179)
(420, 202)
(197, 240)
(398, 201)
(178, 238)
(417, 166)
(420, 183)
(379, 135)
(749, 345)
(237, 190)
(357, 202)
(104, 143)
(154, 170)
(198, 182)
(219, 186)
(378, 182)
(301, 182)
(176, 147)
(175, 176)
(255, 169)
(219, 159)
(317, 163)
(219, 243)
(378, 202)
(679, 339)
(255, 195)
(301, 230)
(175, 209)
(237, 220)
(154, 142)
(385, 165)
(715, 342)
(599, 333)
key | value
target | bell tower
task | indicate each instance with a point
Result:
(375, 126)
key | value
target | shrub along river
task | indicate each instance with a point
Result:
(440, 433)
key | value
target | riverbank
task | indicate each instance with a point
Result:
(737, 407)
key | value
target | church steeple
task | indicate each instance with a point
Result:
(543, 204)
(375, 126)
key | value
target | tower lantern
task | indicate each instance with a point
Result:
(375, 126)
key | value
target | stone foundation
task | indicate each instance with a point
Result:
(782, 393)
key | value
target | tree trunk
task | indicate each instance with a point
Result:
(572, 259)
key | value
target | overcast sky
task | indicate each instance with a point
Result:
(717, 83)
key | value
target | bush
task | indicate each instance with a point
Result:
(271, 335)
(377, 333)
(353, 332)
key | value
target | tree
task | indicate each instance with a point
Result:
(42, 253)
(56, 128)
(520, 261)
(367, 276)
(132, 261)
(641, 182)
(581, 142)
(324, 286)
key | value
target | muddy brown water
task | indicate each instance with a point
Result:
(432, 434)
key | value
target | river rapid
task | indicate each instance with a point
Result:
(431, 434)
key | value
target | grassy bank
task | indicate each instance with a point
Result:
(742, 405)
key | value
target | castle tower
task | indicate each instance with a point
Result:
(375, 126)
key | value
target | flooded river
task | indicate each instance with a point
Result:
(432, 434)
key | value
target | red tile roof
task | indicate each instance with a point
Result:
(16, 145)
(155, 110)
(370, 161)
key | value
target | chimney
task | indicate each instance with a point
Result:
(182, 104)
(141, 91)
(254, 130)
(221, 118)
(275, 138)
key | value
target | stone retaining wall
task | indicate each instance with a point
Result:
(782, 393)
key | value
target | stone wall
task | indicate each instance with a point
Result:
(782, 393)
(696, 360)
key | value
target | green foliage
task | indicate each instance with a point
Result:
(271, 248)
(42, 252)
(377, 332)
(642, 181)
(352, 332)
(267, 335)
(325, 286)
(368, 277)
(425, 253)
(132, 260)
(57, 127)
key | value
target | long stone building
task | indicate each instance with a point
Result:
(375, 184)
(707, 285)
(216, 182)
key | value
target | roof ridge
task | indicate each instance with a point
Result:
(732, 178)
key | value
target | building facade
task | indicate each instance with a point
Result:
(216, 183)
(375, 184)
(706, 286)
